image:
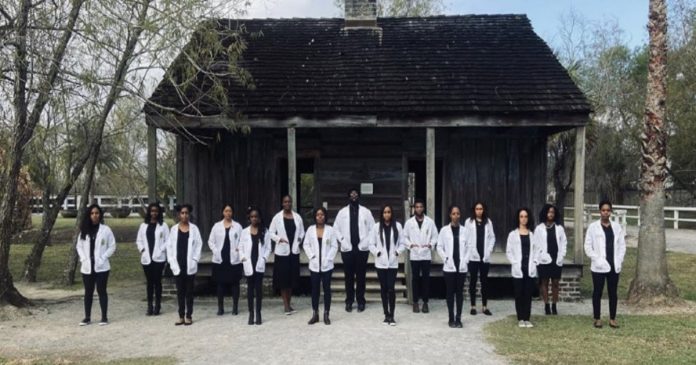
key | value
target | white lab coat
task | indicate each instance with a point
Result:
(488, 240)
(445, 248)
(104, 247)
(365, 223)
(277, 231)
(159, 253)
(514, 254)
(329, 248)
(595, 247)
(377, 244)
(195, 244)
(217, 239)
(561, 240)
(421, 236)
(245, 247)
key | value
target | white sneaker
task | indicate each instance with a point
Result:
(528, 324)
(103, 323)
(521, 324)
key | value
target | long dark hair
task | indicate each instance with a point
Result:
(392, 226)
(484, 217)
(545, 210)
(160, 216)
(530, 218)
(86, 223)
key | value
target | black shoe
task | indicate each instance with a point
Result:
(235, 311)
(487, 312)
(553, 309)
(452, 324)
(349, 308)
(150, 311)
(458, 324)
(473, 311)
(258, 318)
(425, 308)
(386, 320)
(327, 321)
(251, 319)
(547, 309)
(157, 310)
(361, 308)
(220, 311)
(315, 318)
(85, 322)
(416, 309)
(392, 322)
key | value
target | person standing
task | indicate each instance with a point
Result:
(183, 254)
(321, 245)
(524, 254)
(151, 242)
(420, 236)
(552, 240)
(255, 249)
(481, 239)
(451, 246)
(227, 266)
(605, 245)
(385, 244)
(286, 231)
(95, 245)
(354, 223)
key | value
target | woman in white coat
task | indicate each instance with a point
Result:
(151, 242)
(321, 245)
(524, 254)
(183, 254)
(286, 231)
(451, 246)
(605, 245)
(386, 242)
(480, 238)
(552, 240)
(255, 247)
(95, 244)
(227, 266)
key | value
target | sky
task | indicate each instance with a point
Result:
(545, 15)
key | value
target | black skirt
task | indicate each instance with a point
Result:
(283, 272)
(549, 271)
(227, 274)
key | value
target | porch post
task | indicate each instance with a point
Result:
(430, 171)
(579, 194)
(292, 167)
(151, 163)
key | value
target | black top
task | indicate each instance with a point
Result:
(420, 222)
(94, 229)
(455, 251)
(551, 243)
(609, 238)
(290, 229)
(526, 248)
(480, 238)
(182, 251)
(150, 234)
(319, 240)
(354, 227)
(255, 249)
(387, 237)
(226, 247)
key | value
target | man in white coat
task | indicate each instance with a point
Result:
(354, 223)
(420, 235)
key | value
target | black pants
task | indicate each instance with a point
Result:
(255, 291)
(322, 279)
(420, 280)
(478, 269)
(454, 282)
(355, 266)
(612, 279)
(153, 286)
(387, 281)
(184, 294)
(99, 279)
(233, 282)
(524, 288)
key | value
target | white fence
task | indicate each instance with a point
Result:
(624, 213)
(105, 201)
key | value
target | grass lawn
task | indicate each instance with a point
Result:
(642, 339)
(682, 271)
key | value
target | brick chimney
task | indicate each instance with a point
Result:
(360, 13)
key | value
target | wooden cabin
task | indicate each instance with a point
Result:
(451, 109)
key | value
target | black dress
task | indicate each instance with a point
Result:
(286, 268)
(223, 273)
(550, 271)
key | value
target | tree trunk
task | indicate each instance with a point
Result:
(652, 285)
(33, 261)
